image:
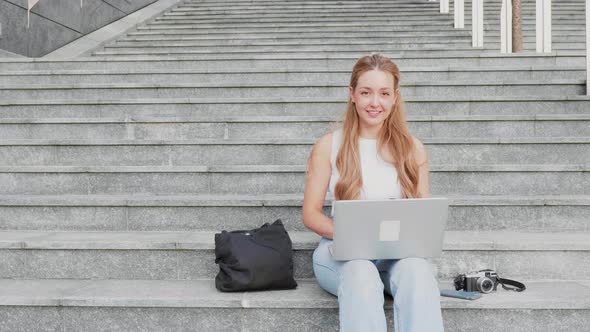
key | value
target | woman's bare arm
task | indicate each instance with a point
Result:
(423, 164)
(319, 171)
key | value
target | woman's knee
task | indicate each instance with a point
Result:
(361, 276)
(415, 271)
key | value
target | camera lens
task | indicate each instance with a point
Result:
(485, 285)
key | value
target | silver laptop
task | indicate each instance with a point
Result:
(389, 229)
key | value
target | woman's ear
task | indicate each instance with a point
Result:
(351, 92)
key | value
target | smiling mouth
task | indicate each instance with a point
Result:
(374, 114)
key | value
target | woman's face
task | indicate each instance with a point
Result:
(373, 97)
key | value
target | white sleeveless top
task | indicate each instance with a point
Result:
(379, 177)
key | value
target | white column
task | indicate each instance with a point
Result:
(477, 23)
(506, 27)
(588, 47)
(543, 26)
(459, 14)
(444, 6)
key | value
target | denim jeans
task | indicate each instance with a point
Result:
(359, 285)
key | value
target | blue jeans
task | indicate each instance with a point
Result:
(359, 285)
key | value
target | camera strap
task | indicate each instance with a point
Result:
(517, 286)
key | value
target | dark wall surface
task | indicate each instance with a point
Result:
(55, 23)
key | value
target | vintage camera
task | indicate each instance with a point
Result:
(484, 281)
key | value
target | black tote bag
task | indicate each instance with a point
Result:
(256, 259)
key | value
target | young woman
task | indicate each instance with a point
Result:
(373, 156)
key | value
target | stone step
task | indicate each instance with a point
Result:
(486, 179)
(228, 107)
(190, 255)
(267, 4)
(291, 23)
(227, 40)
(433, 20)
(180, 48)
(385, 14)
(327, 26)
(284, 127)
(343, 5)
(310, 27)
(333, 45)
(286, 89)
(532, 46)
(120, 213)
(407, 15)
(330, 60)
(142, 305)
(307, 74)
(365, 8)
(271, 52)
(402, 47)
(392, 10)
(289, 2)
(206, 34)
(265, 8)
(300, 42)
(317, 2)
(386, 20)
(408, 74)
(294, 61)
(315, 38)
(442, 151)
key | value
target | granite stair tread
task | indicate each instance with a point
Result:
(551, 294)
(442, 54)
(282, 141)
(203, 100)
(278, 70)
(213, 118)
(276, 84)
(283, 168)
(302, 240)
(261, 200)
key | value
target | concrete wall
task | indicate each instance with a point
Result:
(55, 23)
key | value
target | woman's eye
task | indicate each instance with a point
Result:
(364, 93)
(386, 93)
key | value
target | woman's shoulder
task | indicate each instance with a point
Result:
(420, 151)
(324, 144)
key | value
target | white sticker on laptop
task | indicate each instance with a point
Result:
(389, 230)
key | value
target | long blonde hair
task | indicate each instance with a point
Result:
(394, 138)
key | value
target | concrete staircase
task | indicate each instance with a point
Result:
(117, 169)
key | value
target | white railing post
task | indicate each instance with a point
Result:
(588, 47)
(543, 26)
(444, 6)
(477, 23)
(506, 27)
(459, 14)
